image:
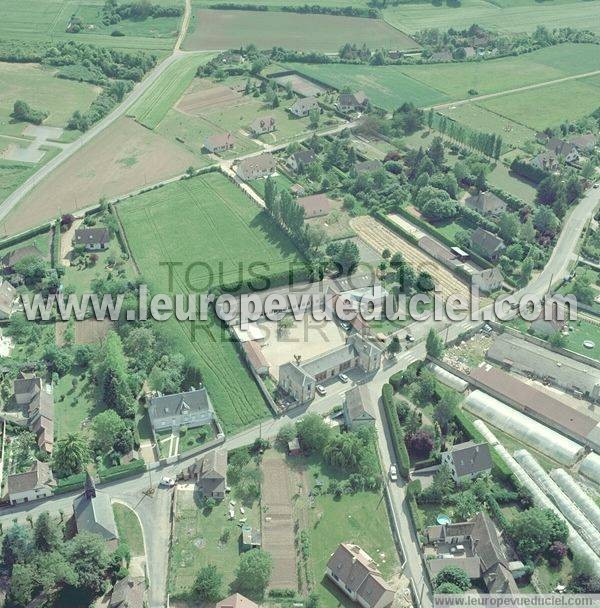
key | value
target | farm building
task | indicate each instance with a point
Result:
(367, 166)
(357, 408)
(438, 251)
(356, 574)
(524, 428)
(315, 205)
(16, 255)
(300, 159)
(352, 102)
(474, 546)
(563, 149)
(219, 143)
(552, 367)
(486, 203)
(93, 239)
(488, 280)
(255, 357)
(32, 485)
(94, 514)
(300, 379)
(256, 167)
(264, 124)
(537, 404)
(209, 473)
(487, 245)
(303, 106)
(192, 408)
(8, 296)
(237, 600)
(467, 460)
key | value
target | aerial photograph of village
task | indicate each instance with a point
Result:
(299, 303)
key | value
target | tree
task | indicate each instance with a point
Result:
(425, 282)
(46, 534)
(445, 408)
(31, 268)
(254, 572)
(434, 345)
(23, 111)
(582, 289)
(534, 530)
(90, 559)
(480, 181)
(397, 261)
(270, 193)
(313, 432)
(449, 588)
(287, 433)
(509, 225)
(557, 552)
(116, 393)
(455, 576)
(545, 220)
(107, 427)
(343, 451)
(436, 151)
(209, 583)
(420, 443)
(70, 455)
(16, 545)
(527, 231)
(284, 325)
(314, 117)
(345, 257)
(394, 346)
(22, 585)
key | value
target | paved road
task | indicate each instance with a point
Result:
(138, 90)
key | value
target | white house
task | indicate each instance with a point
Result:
(304, 105)
(32, 485)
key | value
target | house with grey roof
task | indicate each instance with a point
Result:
(93, 513)
(468, 460)
(32, 485)
(488, 280)
(302, 107)
(263, 124)
(209, 473)
(299, 380)
(475, 547)
(546, 161)
(357, 575)
(256, 167)
(8, 300)
(128, 593)
(93, 239)
(191, 409)
(357, 408)
(38, 402)
(486, 203)
(352, 102)
(563, 149)
(584, 143)
(300, 159)
(221, 142)
(487, 245)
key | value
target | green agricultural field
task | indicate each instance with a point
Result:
(220, 29)
(40, 88)
(275, 4)
(501, 15)
(496, 75)
(164, 93)
(46, 20)
(206, 220)
(387, 86)
(548, 106)
(476, 117)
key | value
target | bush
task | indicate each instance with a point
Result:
(124, 470)
(396, 431)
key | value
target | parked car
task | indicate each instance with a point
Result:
(393, 473)
(321, 389)
(410, 338)
(343, 378)
(345, 325)
(167, 482)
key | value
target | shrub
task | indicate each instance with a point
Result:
(396, 431)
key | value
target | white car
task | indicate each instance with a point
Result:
(343, 378)
(167, 482)
(410, 338)
(393, 473)
(321, 389)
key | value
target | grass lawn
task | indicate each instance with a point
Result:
(166, 90)
(584, 330)
(42, 90)
(128, 526)
(477, 117)
(283, 183)
(496, 75)
(204, 536)
(75, 406)
(213, 230)
(499, 15)
(550, 576)
(449, 229)
(46, 20)
(194, 437)
(502, 177)
(548, 106)
(387, 86)
(222, 29)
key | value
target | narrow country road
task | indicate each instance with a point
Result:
(138, 90)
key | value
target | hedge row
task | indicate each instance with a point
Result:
(55, 249)
(512, 202)
(413, 489)
(396, 431)
(69, 484)
(528, 171)
(122, 470)
(501, 469)
(24, 236)
(291, 276)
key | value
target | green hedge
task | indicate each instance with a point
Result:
(122, 470)
(285, 277)
(413, 489)
(500, 468)
(402, 459)
(528, 171)
(24, 236)
(70, 484)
